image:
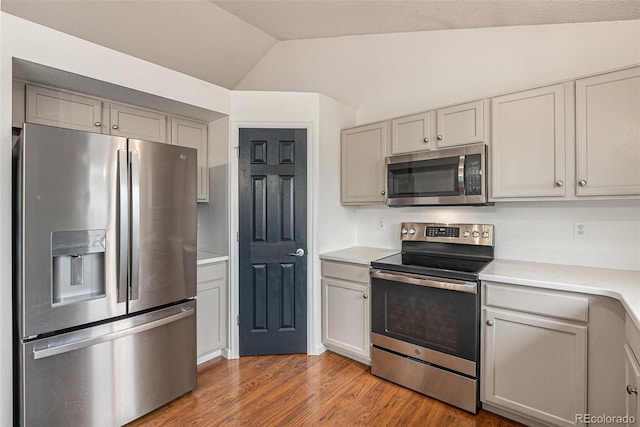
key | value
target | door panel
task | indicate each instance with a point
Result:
(166, 235)
(69, 245)
(272, 226)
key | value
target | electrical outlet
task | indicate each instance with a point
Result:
(580, 230)
(381, 224)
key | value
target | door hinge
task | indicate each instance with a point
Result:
(238, 320)
(237, 147)
(237, 236)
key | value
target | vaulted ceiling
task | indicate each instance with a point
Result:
(220, 41)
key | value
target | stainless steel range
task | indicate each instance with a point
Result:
(425, 309)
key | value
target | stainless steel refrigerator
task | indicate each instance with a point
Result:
(105, 275)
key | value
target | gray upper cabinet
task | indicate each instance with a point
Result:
(411, 133)
(608, 134)
(132, 122)
(528, 144)
(461, 124)
(63, 109)
(188, 133)
(363, 150)
(447, 127)
(70, 110)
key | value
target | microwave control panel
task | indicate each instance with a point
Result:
(473, 175)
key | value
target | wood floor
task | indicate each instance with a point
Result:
(301, 390)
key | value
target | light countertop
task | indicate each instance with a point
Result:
(623, 285)
(208, 257)
(358, 254)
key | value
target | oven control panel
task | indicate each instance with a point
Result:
(468, 234)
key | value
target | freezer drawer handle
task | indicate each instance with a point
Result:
(64, 348)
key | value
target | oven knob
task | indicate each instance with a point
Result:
(485, 234)
(404, 231)
(466, 233)
(476, 234)
(412, 231)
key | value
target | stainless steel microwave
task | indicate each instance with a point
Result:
(453, 176)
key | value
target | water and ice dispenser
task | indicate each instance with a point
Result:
(78, 265)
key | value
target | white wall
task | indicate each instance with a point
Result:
(383, 76)
(32, 42)
(328, 222)
(539, 232)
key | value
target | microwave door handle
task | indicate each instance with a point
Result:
(461, 175)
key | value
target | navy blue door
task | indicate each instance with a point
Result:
(272, 240)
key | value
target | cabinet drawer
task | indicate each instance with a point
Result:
(545, 303)
(346, 271)
(212, 272)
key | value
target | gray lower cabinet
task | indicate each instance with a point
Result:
(346, 323)
(212, 309)
(534, 360)
(632, 387)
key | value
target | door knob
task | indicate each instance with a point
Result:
(298, 252)
(632, 390)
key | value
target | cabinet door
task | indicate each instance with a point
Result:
(632, 375)
(130, 122)
(212, 308)
(460, 124)
(63, 109)
(188, 133)
(411, 133)
(345, 317)
(528, 143)
(535, 366)
(608, 134)
(363, 151)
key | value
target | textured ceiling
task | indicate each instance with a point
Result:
(290, 19)
(221, 41)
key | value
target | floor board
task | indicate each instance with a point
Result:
(301, 390)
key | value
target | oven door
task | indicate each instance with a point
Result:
(428, 318)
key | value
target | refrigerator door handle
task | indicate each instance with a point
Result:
(76, 345)
(135, 224)
(123, 232)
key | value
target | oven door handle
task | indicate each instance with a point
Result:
(429, 281)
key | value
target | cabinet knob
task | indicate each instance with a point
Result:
(582, 183)
(365, 296)
(114, 127)
(559, 183)
(489, 322)
(440, 137)
(426, 140)
(382, 193)
(98, 124)
(632, 390)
